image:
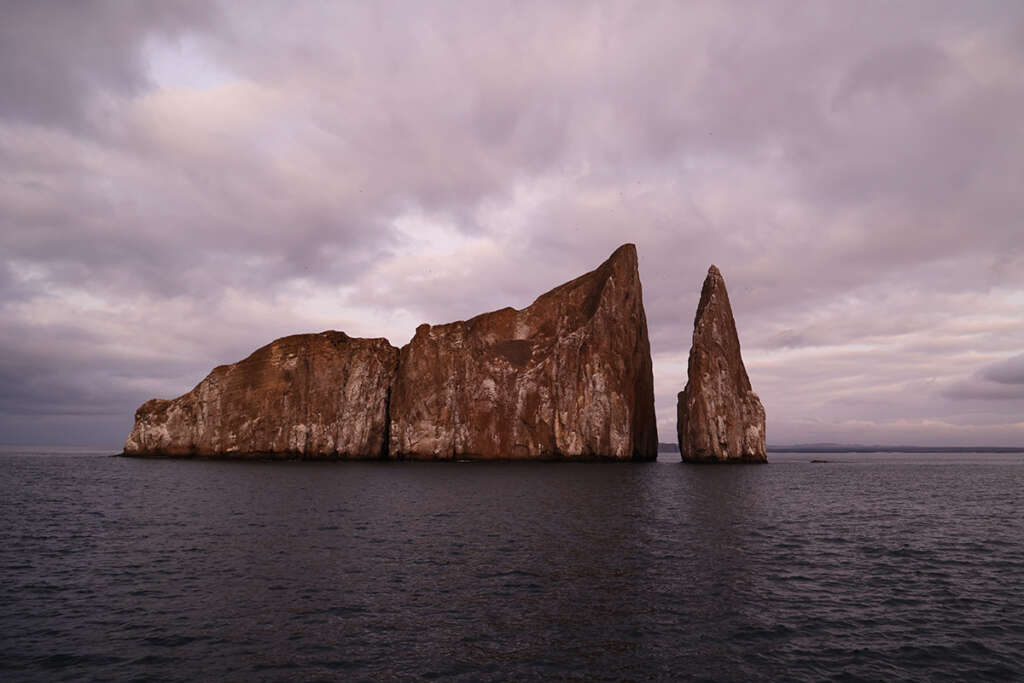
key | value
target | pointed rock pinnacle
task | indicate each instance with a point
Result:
(720, 418)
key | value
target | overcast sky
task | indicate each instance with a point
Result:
(181, 183)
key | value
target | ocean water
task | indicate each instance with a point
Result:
(871, 567)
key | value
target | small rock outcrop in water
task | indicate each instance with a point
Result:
(307, 395)
(568, 377)
(720, 418)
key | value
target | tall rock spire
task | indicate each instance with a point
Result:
(720, 418)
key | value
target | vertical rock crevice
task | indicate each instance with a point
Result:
(386, 441)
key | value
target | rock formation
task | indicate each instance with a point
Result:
(568, 377)
(307, 395)
(720, 417)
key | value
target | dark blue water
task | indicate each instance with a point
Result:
(870, 567)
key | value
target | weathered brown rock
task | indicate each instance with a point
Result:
(307, 395)
(568, 377)
(720, 417)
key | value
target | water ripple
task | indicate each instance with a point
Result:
(877, 569)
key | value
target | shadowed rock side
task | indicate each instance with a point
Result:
(720, 417)
(568, 377)
(308, 395)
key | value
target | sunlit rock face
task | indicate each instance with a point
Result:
(308, 395)
(720, 418)
(568, 377)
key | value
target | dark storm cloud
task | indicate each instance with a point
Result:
(1001, 381)
(181, 182)
(57, 57)
(1010, 371)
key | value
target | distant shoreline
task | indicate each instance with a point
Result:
(856, 448)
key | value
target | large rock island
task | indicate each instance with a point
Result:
(568, 377)
(308, 395)
(720, 418)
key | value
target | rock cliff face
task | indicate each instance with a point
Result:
(720, 417)
(308, 395)
(568, 377)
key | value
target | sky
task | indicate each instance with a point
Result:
(183, 182)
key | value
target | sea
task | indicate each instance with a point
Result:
(866, 567)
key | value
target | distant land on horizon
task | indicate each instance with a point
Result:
(662, 448)
(861, 448)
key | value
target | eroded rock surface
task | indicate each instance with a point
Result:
(567, 377)
(720, 418)
(307, 395)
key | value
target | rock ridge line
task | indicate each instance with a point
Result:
(569, 377)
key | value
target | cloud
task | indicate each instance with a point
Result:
(59, 60)
(190, 180)
(1009, 371)
(1000, 381)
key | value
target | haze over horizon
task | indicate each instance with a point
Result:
(183, 182)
